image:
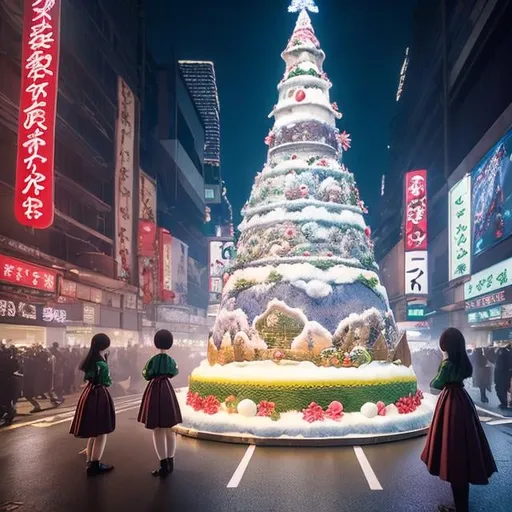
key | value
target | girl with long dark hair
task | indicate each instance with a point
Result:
(456, 450)
(95, 415)
(159, 409)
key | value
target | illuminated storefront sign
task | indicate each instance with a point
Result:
(20, 273)
(491, 198)
(166, 265)
(221, 254)
(416, 273)
(148, 267)
(34, 191)
(179, 251)
(416, 312)
(485, 315)
(147, 199)
(416, 211)
(415, 233)
(491, 299)
(459, 243)
(489, 280)
(403, 74)
(22, 312)
(125, 179)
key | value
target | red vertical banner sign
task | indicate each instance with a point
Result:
(415, 233)
(167, 292)
(416, 211)
(34, 192)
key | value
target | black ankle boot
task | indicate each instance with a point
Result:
(97, 468)
(170, 464)
(163, 470)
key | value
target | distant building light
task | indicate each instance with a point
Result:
(403, 74)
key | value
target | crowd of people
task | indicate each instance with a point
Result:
(493, 364)
(37, 374)
(492, 367)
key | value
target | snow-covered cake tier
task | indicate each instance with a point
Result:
(305, 327)
(295, 187)
(303, 53)
(302, 81)
(305, 131)
(262, 421)
(294, 385)
(307, 101)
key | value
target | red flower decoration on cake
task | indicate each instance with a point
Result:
(334, 411)
(345, 140)
(195, 401)
(266, 409)
(211, 405)
(312, 413)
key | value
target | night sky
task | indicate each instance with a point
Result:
(364, 41)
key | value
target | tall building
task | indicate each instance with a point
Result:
(453, 106)
(89, 280)
(202, 84)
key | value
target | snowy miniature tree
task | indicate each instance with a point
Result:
(304, 321)
(303, 239)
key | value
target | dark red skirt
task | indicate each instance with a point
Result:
(457, 450)
(159, 407)
(95, 414)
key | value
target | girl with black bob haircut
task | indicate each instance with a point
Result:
(456, 449)
(159, 409)
(95, 415)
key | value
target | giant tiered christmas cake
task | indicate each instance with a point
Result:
(305, 343)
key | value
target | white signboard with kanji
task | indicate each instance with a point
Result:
(416, 273)
(489, 280)
(459, 243)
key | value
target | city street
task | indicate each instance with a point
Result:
(42, 470)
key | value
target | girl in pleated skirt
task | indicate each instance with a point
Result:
(159, 410)
(95, 414)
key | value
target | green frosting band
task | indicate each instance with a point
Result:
(296, 398)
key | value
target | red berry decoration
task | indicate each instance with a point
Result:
(300, 95)
(368, 231)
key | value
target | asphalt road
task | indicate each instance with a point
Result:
(41, 470)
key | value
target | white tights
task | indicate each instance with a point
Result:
(164, 441)
(95, 448)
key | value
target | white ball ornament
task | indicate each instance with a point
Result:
(370, 410)
(247, 408)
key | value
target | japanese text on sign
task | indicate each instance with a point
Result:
(489, 280)
(416, 278)
(20, 273)
(486, 300)
(38, 102)
(125, 174)
(18, 310)
(416, 211)
(460, 228)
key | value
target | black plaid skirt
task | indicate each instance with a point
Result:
(95, 414)
(159, 407)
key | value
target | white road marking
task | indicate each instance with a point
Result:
(368, 472)
(490, 413)
(240, 470)
(504, 421)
